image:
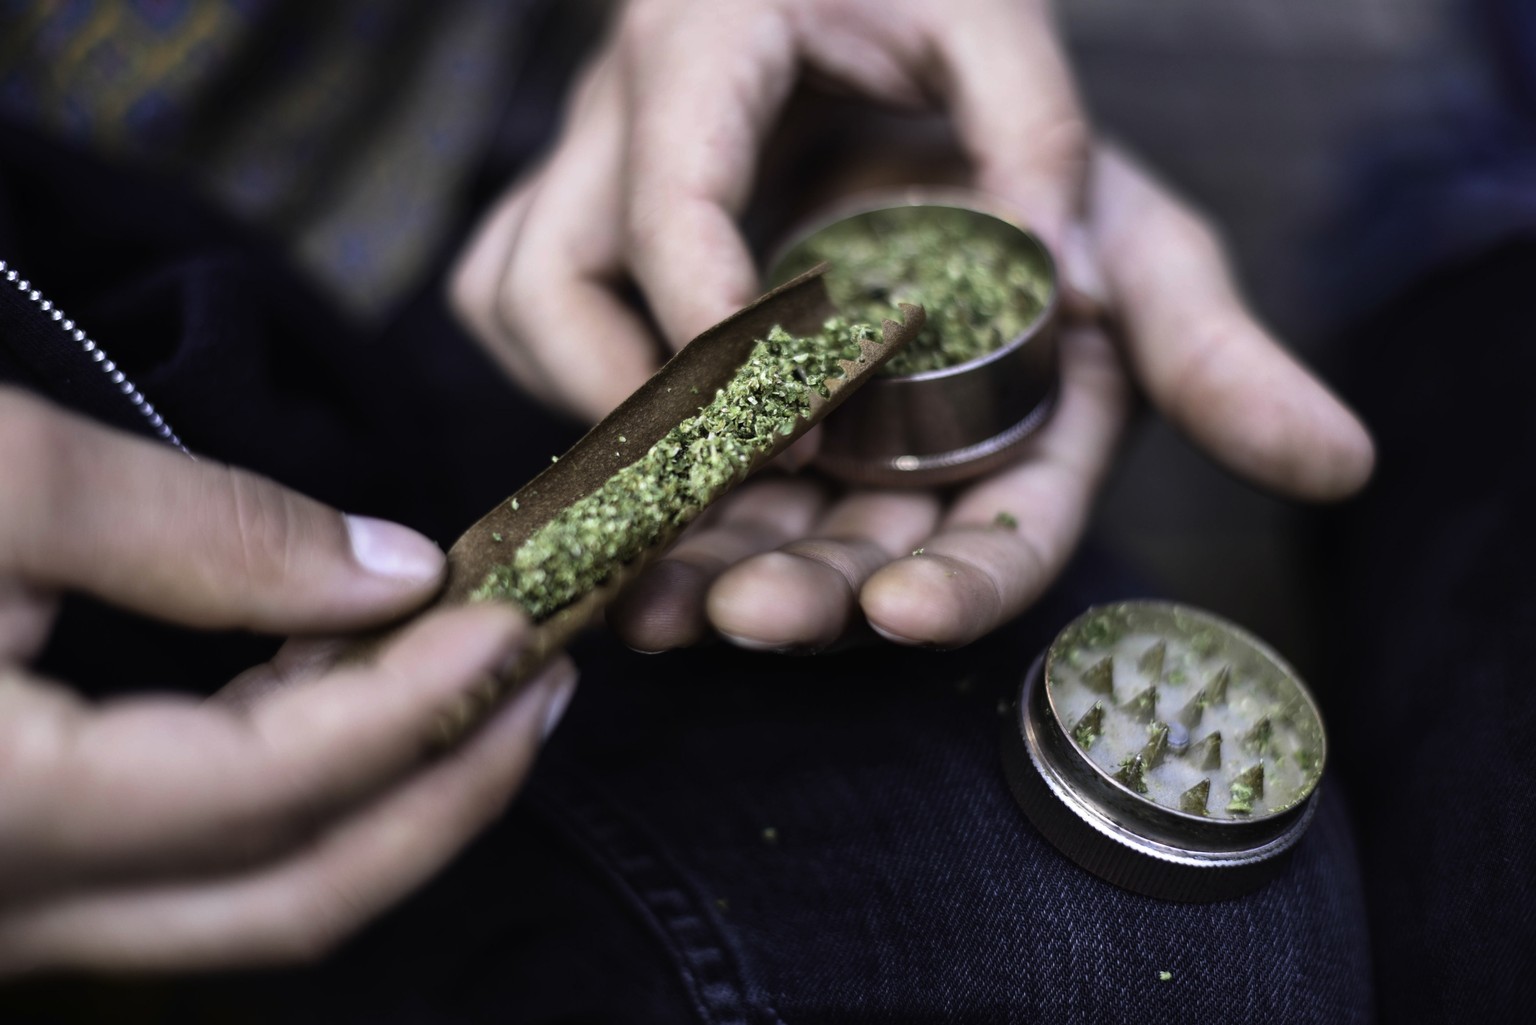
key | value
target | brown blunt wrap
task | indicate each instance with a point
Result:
(687, 381)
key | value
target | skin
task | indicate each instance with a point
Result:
(269, 822)
(655, 162)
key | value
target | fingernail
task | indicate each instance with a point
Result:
(562, 690)
(750, 643)
(389, 550)
(896, 638)
(773, 647)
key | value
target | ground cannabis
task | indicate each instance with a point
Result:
(678, 476)
(1133, 773)
(1246, 789)
(1089, 726)
(977, 291)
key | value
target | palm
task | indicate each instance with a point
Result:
(840, 558)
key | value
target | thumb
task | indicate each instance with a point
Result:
(90, 509)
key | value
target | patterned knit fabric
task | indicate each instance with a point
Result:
(343, 128)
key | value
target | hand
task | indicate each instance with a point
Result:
(270, 821)
(661, 142)
(656, 159)
(1183, 335)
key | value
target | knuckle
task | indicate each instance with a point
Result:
(1202, 378)
(29, 439)
(641, 24)
(649, 231)
(1056, 151)
(267, 524)
(35, 746)
(1066, 144)
(518, 288)
(34, 458)
(324, 915)
(475, 280)
(305, 921)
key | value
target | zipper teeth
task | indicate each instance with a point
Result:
(97, 355)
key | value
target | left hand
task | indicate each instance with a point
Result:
(789, 565)
(267, 824)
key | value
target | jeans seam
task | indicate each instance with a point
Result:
(624, 852)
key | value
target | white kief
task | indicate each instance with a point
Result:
(1288, 765)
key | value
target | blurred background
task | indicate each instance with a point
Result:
(1261, 113)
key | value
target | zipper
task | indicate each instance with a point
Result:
(76, 336)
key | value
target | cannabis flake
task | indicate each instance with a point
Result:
(690, 466)
(977, 292)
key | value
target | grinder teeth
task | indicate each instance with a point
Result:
(1157, 745)
(1189, 715)
(1206, 755)
(1133, 774)
(1089, 726)
(1256, 740)
(1100, 678)
(1216, 690)
(1196, 798)
(1246, 789)
(1143, 707)
(1147, 731)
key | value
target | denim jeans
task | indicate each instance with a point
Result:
(1435, 609)
(720, 837)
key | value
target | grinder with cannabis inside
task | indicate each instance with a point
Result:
(980, 377)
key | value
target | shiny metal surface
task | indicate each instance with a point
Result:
(950, 425)
(1127, 839)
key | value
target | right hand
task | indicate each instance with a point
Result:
(269, 822)
(661, 144)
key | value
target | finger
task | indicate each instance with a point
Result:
(977, 573)
(1011, 95)
(804, 596)
(557, 299)
(703, 89)
(26, 616)
(300, 659)
(537, 283)
(155, 785)
(475, 283)
(91, 509)
(1203, 360)
(303, 906)
(665, 608)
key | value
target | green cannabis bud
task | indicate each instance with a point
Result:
(977, 292)
(693, 464)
